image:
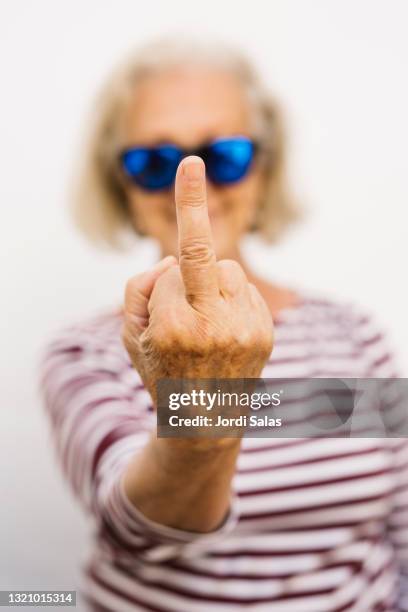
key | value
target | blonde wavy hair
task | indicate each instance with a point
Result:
(99, 201)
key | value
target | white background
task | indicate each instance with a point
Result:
(339, 67)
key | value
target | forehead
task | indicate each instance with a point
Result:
(186, 105)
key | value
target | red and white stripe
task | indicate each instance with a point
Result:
(316, 524)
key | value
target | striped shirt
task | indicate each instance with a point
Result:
(315, 524)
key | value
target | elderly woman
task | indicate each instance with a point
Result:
(187, 148)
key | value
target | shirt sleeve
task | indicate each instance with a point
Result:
(398, 521)
(381, 363)
(100, 416)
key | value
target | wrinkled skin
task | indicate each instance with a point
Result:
(196, 318)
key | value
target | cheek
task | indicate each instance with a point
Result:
(242, 201)
(153, 213)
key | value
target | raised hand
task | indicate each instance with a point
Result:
(197, 318)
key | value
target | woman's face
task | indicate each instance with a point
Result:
(188, 107)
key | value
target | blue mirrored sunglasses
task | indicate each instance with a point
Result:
(227, 160)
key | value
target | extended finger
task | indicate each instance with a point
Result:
(196, 250)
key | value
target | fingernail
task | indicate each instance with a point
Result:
(193, 167)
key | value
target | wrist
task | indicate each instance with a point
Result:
(196, 448)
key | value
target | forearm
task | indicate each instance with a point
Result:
(198, 319)
(183, 484)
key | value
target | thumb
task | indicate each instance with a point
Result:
(138, 291)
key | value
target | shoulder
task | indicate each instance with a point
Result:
(93, 342)
(345, 323)
(99, 330)
(318, 309)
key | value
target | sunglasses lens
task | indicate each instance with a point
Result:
(152, 169)
(228, 160)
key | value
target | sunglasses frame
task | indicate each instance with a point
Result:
(200, 151)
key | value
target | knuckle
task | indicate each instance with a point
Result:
(232, 268)
(192, 196)
(199, 251)
(255, 340)
(265, 343)
(230, 264)
(246, 342)
(133, 292)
